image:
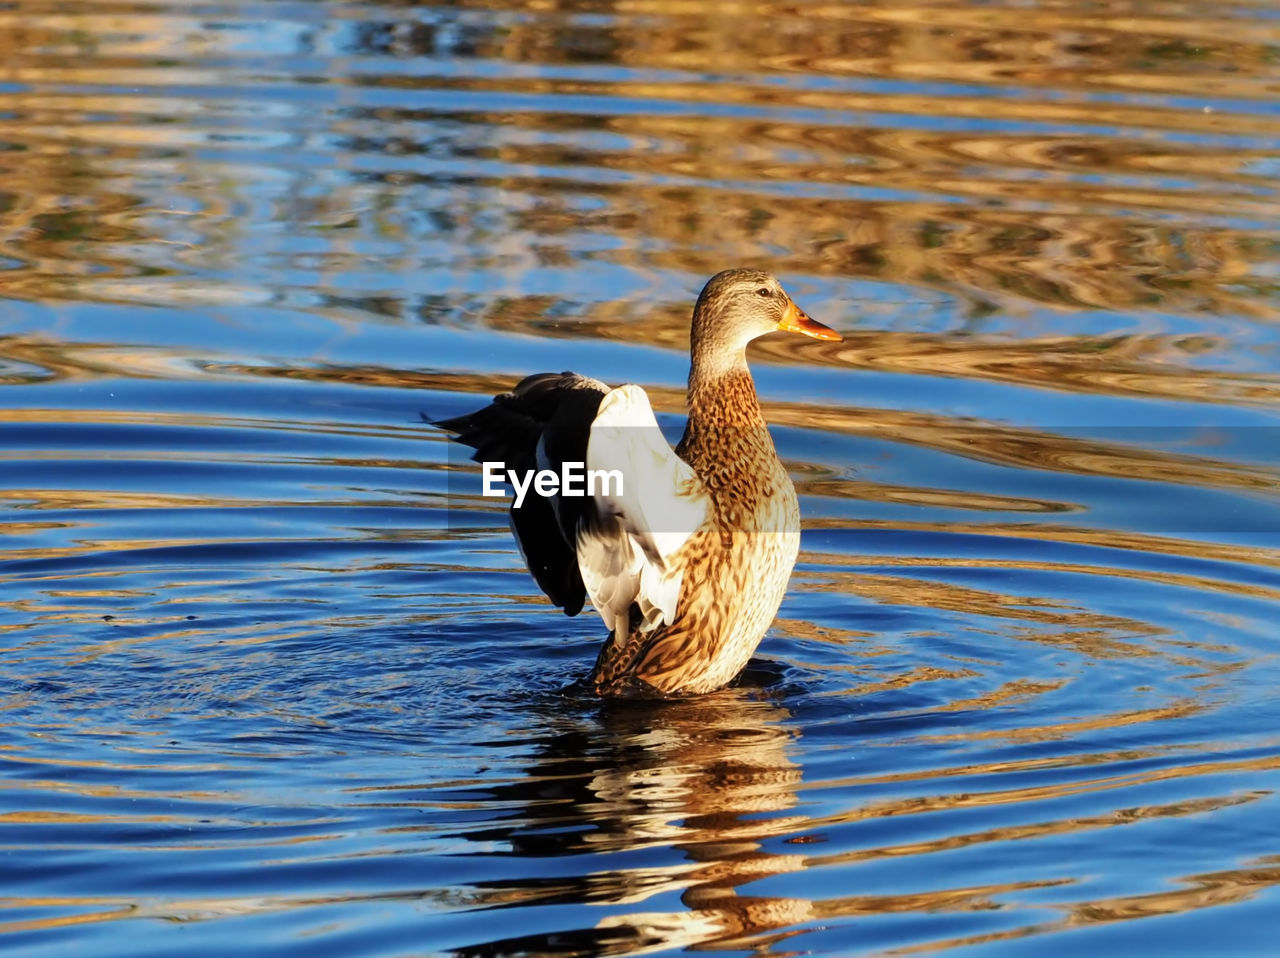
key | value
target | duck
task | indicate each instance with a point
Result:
(687, 556)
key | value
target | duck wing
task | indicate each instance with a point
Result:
(547, 415)
(615, 543)
(627, 540)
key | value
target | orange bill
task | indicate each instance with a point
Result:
(796, 320)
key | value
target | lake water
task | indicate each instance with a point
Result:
(273, 683)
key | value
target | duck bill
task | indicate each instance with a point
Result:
(796, 320)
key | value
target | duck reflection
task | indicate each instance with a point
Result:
(712, 777)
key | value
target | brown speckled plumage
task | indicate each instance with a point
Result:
(736, 565)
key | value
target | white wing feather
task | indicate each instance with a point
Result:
(623, 555)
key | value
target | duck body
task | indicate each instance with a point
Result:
(688, 562)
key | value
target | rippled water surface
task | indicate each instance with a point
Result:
(273, 684)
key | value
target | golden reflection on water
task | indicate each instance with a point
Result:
(1005, 445)
(1143, 365)
(999, 444)
(696, 776)
(1056, 193)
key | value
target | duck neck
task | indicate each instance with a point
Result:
(725, 421)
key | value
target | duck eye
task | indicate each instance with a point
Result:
(764, 291)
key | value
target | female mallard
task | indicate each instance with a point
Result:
(687, 559)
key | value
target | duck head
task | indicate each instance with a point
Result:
(739, 305)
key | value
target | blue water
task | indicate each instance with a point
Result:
(274, 680)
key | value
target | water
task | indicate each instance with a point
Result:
(271, 686)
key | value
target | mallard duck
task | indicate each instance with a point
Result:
(687, 562)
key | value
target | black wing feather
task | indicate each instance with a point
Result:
(556, 409)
